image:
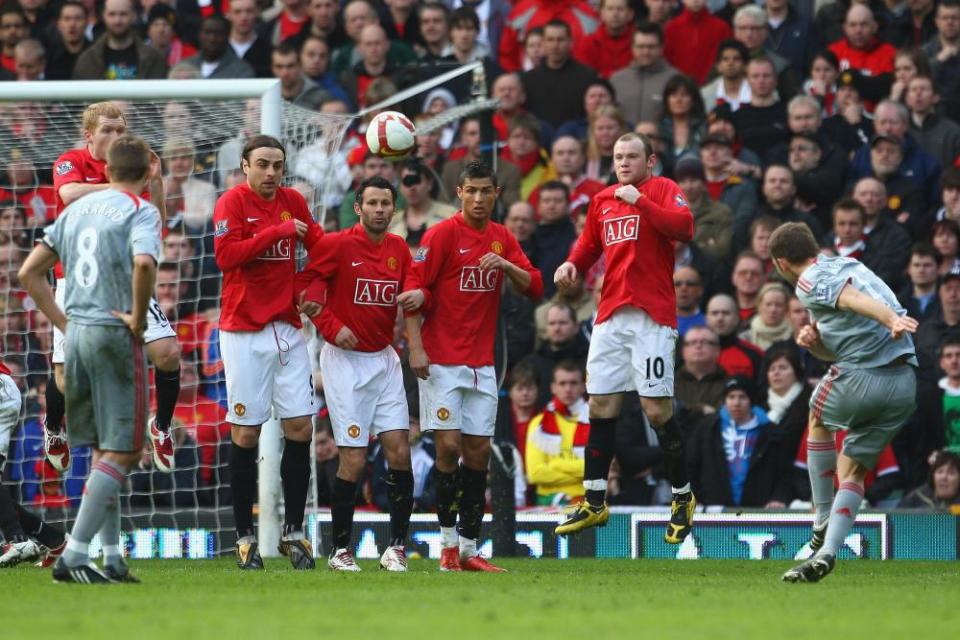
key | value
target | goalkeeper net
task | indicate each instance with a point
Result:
(186, 513)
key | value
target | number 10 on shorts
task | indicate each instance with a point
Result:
(654, 366)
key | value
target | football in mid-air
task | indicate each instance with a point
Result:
(390, 134)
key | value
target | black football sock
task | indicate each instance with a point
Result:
(9, 521)
(243, 484)
(46, 534)
(472, 502)
(597, 457)
(448, 497)
(343, 501)
(295, 476)
(671, 442)
(168, 390)
(56, 406)
(400, 494)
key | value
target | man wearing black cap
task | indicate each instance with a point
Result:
(735, 457)
(886, 165)
(849, 127)
(713, 221)
(819, 180)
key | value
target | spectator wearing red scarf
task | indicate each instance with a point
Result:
(557, 438)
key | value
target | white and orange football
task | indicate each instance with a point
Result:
(391, 134)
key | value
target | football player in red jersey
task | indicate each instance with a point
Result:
(634, 225)
(76, 173)
(365, 268)
(455, 283)
(256, 227)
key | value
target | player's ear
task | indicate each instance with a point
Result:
(459, 192)
(356, 208)
(652, 160)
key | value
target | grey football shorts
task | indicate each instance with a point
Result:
(871, 404)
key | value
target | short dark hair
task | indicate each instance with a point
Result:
(536, 31)
(950, 178)
(128, 159)
(261, 141)
(926, 250)
(829, 56)
(949, 340)
(849, 204)
(72, 3)
(567, 365)
(943, 458)
(287, 48)
(790, 354)
(650, 29)
(736, 45)
(526, 121)
(169, 266)
(949, 4)
(375, 182)
(566, 307)
(310, 38)
(794, 242)
(559, 24)
(15, 10)
(556, 185)
(218, 19)
(436, 6)
(462, 15)
(764, 222)
(763, 59)
(476, 170)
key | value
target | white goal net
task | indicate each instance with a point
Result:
(183, 514)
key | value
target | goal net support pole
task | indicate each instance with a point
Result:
(271, 106)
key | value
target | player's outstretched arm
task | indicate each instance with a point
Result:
(33, 277)
(852, 299)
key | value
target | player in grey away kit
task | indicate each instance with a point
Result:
(870, 390)
(109, 244)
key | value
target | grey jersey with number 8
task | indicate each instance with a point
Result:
(857, 341)
(96, 238)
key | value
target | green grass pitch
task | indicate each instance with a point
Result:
(537, 599)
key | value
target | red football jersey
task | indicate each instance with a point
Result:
(462, 301)
(364, 280)
(637, 241)
(253, 242)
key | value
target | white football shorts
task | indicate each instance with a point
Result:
(265, 369)
(157, 324)
(364, 393)
(631, 352)
(457, 397)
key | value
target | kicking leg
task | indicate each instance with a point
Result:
(822, 468)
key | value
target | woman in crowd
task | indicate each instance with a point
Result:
(787, 398)
(770, 324)
(942, 490)
(683, 123)
(606, 125)
(945, 237)
(822, 84)
(907, 65)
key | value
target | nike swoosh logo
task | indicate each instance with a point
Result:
(464, 251)
(253, 219)
(606, 211)
(356, 264)
(92, 179)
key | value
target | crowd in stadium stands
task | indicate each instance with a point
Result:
(841, 115)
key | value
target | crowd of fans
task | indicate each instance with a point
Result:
(841, 115)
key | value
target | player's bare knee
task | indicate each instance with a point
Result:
(352, 462)
(396, 450)
(476, 451)
(448, 450)
(245, 437)
(297, 429)
(164, 354)
(658, 410)
(605, 406)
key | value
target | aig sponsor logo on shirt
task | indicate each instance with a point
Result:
(377, 293)
(476, 279)
(279, 251)
(620, 229)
